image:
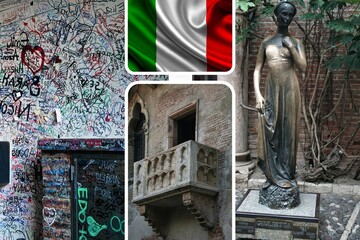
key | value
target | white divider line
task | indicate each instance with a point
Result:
(351, 222)
(178, 78)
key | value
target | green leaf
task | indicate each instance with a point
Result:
(350, 61)
(331, 5)
(244, 5)
(355, 19)
(342, 38)
(336, 62)
(316, 4)
(355, 47)
(312, 16)
(302, 3)
(341, 25)
(352, 1)
(268, 10)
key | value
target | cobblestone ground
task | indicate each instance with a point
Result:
(337, 214)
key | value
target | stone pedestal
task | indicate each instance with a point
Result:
(256, 221)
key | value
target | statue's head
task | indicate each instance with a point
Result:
(284, 12)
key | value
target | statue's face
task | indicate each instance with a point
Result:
(285, 15)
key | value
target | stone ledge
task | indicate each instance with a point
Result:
(256, 180)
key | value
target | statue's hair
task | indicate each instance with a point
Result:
(278, 7)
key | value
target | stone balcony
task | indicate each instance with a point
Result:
(189, 164)
(186, 174)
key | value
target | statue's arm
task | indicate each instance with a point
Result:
(297, 51)
(257, 76)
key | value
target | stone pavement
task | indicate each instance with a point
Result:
(339, 216)
(339, 205)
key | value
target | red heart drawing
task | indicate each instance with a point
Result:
(33, 58)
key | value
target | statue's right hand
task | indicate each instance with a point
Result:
(260, 103)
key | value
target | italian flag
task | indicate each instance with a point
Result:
(179, 35)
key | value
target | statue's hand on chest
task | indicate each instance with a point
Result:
(277, 52)
(288, 42)
(279, 47)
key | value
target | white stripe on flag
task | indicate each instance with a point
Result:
(181, 35)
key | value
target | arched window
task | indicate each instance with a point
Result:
(139, 139)
(137, 132)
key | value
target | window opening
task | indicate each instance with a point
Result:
(183, 125)
(139, 141)
(186, 128)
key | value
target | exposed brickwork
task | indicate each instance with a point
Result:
(212, 128)
(56, 200)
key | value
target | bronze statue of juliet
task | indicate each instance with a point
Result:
(279, 110)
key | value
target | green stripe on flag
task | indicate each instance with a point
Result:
(142, 35)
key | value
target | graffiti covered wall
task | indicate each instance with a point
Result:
(61, 75)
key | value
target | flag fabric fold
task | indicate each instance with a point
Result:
(180, 35)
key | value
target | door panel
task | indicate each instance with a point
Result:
(98, 190)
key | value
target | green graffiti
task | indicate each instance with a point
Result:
(83, 233)
(94, 228)
(120, 223)
(82, 194)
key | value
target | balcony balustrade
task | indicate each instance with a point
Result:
(186, 175)
(189, 164)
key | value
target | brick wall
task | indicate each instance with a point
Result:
(214, 113)
(56, 200)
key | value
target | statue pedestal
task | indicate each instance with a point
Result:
(256, 221)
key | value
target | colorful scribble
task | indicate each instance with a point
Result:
(33, 58)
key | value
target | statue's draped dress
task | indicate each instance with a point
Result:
(278, 125)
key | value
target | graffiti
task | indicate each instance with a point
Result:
(33, 58)
(15, 109)
(108, 179)
(104, 208)
(119, 226)
(82, 201)
(18, 43)
(20, 83)
(49, 215)
(13, 233)
(11, 68)
(94, 228)
(25, 177)
(15, 207)
(23, 152)
(9, 54)
(58, 47)
(82, 144)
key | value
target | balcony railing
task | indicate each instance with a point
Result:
(187, 165)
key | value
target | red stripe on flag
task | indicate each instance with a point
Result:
(219, 35)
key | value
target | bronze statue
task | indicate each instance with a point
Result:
(279, 111)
